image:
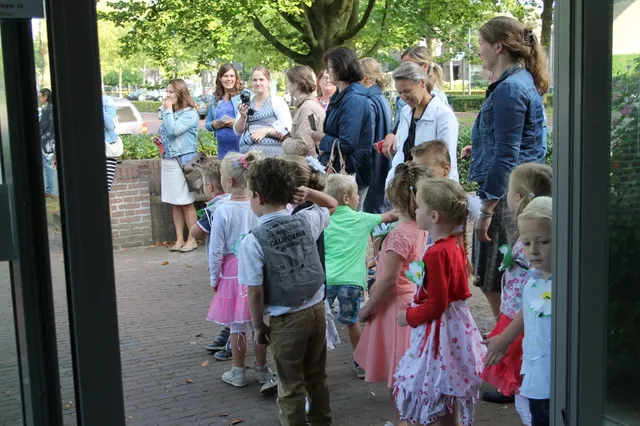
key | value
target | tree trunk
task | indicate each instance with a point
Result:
(44, 51)
(120, 81)
(547, 22)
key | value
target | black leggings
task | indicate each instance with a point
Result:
(539, 412)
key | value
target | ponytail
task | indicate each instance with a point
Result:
(536, 64)
(436, 76)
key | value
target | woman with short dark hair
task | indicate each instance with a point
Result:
(348, 122)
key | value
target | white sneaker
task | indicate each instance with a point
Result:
(263, 374)
(235, 377)
(306, 405)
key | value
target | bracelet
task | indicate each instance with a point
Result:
(485, 215)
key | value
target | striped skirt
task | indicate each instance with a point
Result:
(112, 163)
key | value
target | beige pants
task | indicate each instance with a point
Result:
(299, 346)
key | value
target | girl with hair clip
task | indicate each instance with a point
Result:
(309, 175)
(384, 342)
(232, 220)
(438, 379)
(534, 319)
(526, 182)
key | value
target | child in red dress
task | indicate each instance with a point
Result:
(526, 182)
(438, 379)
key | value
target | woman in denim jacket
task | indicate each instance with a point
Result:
(225, 102)
(179, 133)
(507, 132)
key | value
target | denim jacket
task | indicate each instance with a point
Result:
(179, 132)
(110, 119)
(213, 105)
(47, 134)
(508, 131)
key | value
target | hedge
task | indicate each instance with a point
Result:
(141, 147)
(462, 103)
(147, 106)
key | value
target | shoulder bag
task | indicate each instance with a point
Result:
(343, 166)
(192, 170)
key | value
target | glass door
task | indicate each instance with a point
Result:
(596, 345)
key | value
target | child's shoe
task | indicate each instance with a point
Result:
(271, 386)
(263, 374)
(225, 354)
(359, 370)
(235, 377)
(220, 341)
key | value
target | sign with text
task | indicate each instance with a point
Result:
(21, 9)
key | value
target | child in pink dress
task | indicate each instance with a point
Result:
(438, 379)
(230, 306)
(384, 342)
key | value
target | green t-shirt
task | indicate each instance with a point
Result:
(345, 246)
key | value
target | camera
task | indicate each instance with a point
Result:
(245, 98)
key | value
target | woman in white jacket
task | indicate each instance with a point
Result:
(424, 118)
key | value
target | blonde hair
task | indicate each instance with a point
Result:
(538, 208)
(303, 174)
(237, 165)
(530, 180)
(449, 199)
(371, 69)
(412, 72)
(422, 56)
(523, 46)
(436, 149)
(340, 185)
(212, 172)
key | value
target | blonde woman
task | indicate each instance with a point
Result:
(301, 83)
(255, 124)
(327, 89)
(374, 82)
(421, 56)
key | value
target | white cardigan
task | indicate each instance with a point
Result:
(281, 111)
(437, 122)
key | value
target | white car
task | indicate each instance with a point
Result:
(130, 121)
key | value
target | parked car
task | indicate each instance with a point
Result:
(201, 106)
(138, 95)
(157, 94)
(130, 121)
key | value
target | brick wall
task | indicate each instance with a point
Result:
(139, 217)
(131, 205)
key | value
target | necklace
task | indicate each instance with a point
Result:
(239, 197)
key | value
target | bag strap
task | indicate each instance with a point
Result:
(343, 165)
(332, 155)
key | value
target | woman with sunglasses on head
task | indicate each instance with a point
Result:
(265, 121)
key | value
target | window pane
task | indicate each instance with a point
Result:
(623, 339)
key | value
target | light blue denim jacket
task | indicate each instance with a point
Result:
(109, 113)
(179, 132)
(213, 105)
(509, 131)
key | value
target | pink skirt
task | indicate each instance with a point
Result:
(230, 303)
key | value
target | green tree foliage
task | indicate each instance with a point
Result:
(291, 31)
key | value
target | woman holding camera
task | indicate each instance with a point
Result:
(309, 116)
(223, 109)
(178, 134)
(265, 120)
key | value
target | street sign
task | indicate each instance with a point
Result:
(21, 9)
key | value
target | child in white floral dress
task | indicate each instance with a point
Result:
(526, 182)
(438, 379)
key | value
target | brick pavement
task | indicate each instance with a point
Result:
(163, 332)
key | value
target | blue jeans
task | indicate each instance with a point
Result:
(50, 176)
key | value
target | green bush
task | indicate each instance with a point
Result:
(141, 147)
(462, 103)
(147, 106)
(466, 92)
(464, 139)
(548, 100)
